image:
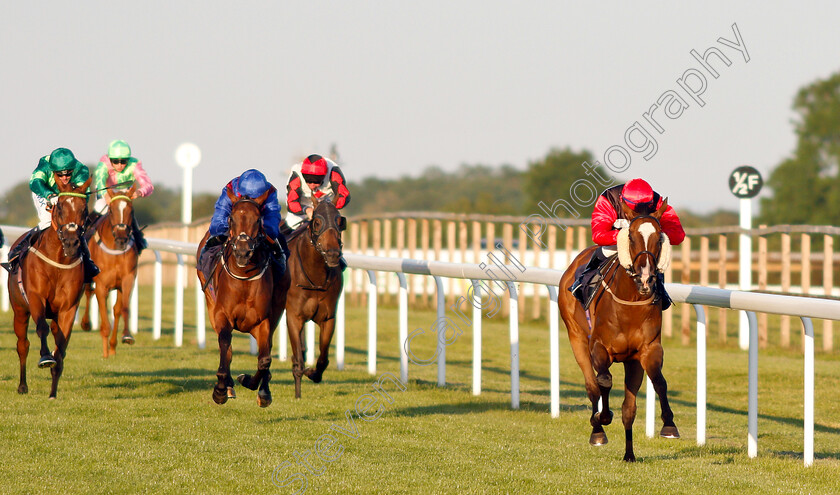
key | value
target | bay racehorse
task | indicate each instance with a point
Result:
(49, 282)
(113, 250)
(317, 281)
(626, 316)
(244, 292)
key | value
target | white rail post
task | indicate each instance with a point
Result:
(4, 280)
(745, 265)
(514, 346)
(254, 348)
(808, 452)
(283, 335)
(93, 310)
(179, 302)
(200, 325)
(476, 324)
(752, 413)
(441, 313)
(372, 293)
(554, 345)
(310, 343)
(650, 408)
(701, 374)
(403, 303)
(133, 315)
(339, 327)
(158, 303)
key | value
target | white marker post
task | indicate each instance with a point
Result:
(188, 156)
(745, 183)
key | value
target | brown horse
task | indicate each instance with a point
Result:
(112, 249)
(244, 292)
(626, 324)
(49, 283)
(317, 282)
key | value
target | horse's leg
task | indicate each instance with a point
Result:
(61, 329)
(42, 329)
(21, 324)
(601, 362)
(85, 323)
(104, 323)
(295, 327)
(261, 378)
(123, 300)
(117, 312)
(327, 329)
(224, 384)
(633, 374)
(652, 363)
(578, 330)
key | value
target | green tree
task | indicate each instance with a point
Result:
(806, 187)
(552, 178)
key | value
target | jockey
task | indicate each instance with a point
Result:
(118, 167)
(251, 184)
(317, 177)
(59, 166)
(608, 218)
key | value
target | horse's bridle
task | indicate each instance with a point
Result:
(315, 235)
(250, 242)
(126, 227)
(61, 227)
(631, 270)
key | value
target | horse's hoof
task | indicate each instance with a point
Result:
(219, 397)
(264, 400)
(598, 439)
(85, 326)
(669, 432)
(629, 457)
(604, 417)
(231, 393)
(245, 381)
(47, 362)
(128, 339)
(313, 374)
(23, 389)
(52, 397)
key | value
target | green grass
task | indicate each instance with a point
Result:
(144, 422)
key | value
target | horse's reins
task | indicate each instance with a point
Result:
(313, 240)
(632, 273)
(128, 228)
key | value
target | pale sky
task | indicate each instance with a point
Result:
(399, 86)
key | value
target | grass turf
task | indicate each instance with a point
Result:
(144, 422)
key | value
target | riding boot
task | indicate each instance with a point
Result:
(139, 239)
(278, 254)
(91, 270)
(2, 239)
(284, 245)
(661, 294)
(16, 252)
(91, 219)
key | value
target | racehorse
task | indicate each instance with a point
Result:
(626, 320)
(49, 282)
(112, 249)
(244, 292)
(317, 281)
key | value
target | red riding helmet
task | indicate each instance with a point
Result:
(638, 195)
(314, 168)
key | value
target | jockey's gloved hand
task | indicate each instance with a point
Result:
(621, 223)
(52, 199)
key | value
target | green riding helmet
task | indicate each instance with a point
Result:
(62, 159)
(119, 149)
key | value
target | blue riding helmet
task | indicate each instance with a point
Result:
(252, 183)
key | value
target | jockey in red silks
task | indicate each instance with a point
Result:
(315, 177)
(608, 219)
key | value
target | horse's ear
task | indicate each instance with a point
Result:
(335, 199)
(315, 203)
(230, 195)
(264, 196)
(629, 213)
(84, 187)
(132, 190)
(109, 193)
(661, 210)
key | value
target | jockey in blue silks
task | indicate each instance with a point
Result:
(251, 184)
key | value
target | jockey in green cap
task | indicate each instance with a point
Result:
(60, 165)
(118, 168)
